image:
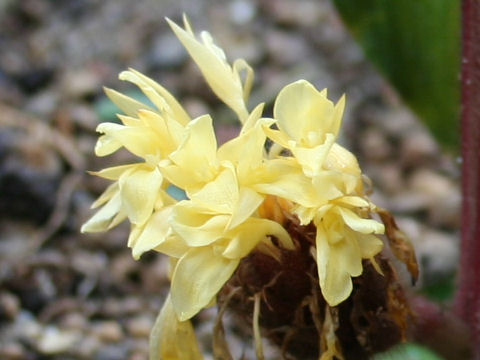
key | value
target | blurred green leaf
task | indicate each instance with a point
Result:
(416, 44)
(441, 289)
(408, 352)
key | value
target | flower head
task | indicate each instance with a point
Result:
(242, 199)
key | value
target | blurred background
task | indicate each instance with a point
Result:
(64, 295)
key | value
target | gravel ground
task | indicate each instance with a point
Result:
(69, 296)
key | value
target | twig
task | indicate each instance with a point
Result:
(467, 301)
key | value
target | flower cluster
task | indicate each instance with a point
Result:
(230, 189)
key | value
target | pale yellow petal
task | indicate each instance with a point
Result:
(106, 145)
(336, 264)
(248, 235)
(170, 131)
(336, 119)
(198, 277)
(139, 190)
(304, 113)
(139, 141)
(127, 104)
(341, 159)
(194, 163)
(154, 233)
(102, 220)
(240, 65)
(312, 159)
(113, 173)
(195, 227)
(370, 245)
(353, 201)
(219, 195)
(246, 151)
(225, 83)
(129, 120)
(171, 339)
(174, 107)
(248, 201)
(253, 118)
(364, 226)
(173, 246)
(329, 185)
(286, 180)
(279, 137)
(111, 190)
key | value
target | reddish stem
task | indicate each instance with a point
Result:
(467, 302)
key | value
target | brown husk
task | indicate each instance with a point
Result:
(292, 308)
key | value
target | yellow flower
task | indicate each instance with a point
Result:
(343, 239)
(150, 134)
(231, 190)
(323, 181)
(308, 124)
(219, 223)
(224, 79)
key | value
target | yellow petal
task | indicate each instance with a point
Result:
(369, 245)
(154, 234)
(113, 173)
(196, 226)
(364, 226)
(106, 145)
(139, 190)
(221, 194)
(343, 160)
(127, 104)
(253, 118)
(198, 277)
(286, 180)
(129, 120)
(170, 131)
(173, 106)
(329, 185)
(246, 151)
(196, 159)
(111, 190)
(102, 220)
(352, 201)
(248, 202)
(248, 235)
(225, 82)
(312, 159)
(336, 264)
(140, 141)
(304, 113)
(171, 339)
(279, 137)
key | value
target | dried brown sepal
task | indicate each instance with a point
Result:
(294, 312)
(329, 342)
(256, 327)
(221, 351)
(399, 243)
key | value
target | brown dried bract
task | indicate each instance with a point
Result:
(399, 243)
(293, 312)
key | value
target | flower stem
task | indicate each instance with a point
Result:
(467, 302)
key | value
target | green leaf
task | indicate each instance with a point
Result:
(416, 45)
(408, 352)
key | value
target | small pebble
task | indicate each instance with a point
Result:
(55, 341)
(140, 326)
(9, 305)
(108, 331)
(12, 351)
